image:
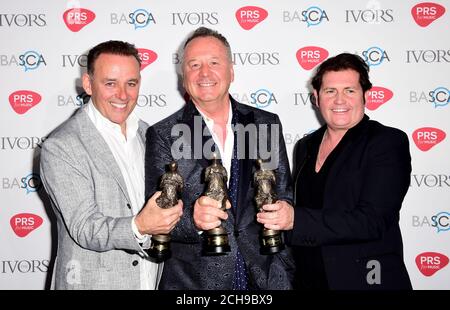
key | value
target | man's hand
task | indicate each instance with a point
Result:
(153, 220)
(278, 216)
(207, 213)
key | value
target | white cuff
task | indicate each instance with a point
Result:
(139, 237)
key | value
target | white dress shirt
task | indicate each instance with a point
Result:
(129, 154)
(226, 151)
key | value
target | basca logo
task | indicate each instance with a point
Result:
(303, 98)
(24, 223)
(29, 60)
(25, 266)
(194, 18)
(292, 138)
(147, 57)
(312, 16)
(22, 20)
(426, 13)
(73, 101)
(429, 263)
(439, 97)
(440, 221)
(427, 56)
(140, 18)
(377, 96)
(30, 183)
(426, 138)
(21, 143)
(176, 59)
(256, 59)
(23, 100)
(375, 56)
(262, 98)
(310, 56)
(250, 16)
(151, 100)
(74, 60)
(78, 18)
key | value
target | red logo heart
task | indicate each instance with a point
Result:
(24, 223)
(427, 12)
(310, 56)
(250, 16)
(77, 18)
(23, 100)
(431, 262)
(427, 137)
(377, 96)
(147, 57)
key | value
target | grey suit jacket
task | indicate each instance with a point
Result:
(188, 268)
(96, 246)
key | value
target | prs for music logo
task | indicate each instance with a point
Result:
(250, 16)
(426, 13)
(23, 100)
(427, 137)
(310, 56)
(429, 263)
(377, 96)
(78, 18)
(24, 223)
(147, 57)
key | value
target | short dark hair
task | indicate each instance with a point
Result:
(111, 47)
(207, 32)
(343, 62)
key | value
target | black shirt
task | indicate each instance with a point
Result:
(310, 186)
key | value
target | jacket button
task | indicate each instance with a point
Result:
(129, 206)
(135, 262)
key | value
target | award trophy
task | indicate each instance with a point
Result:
(216, 242)
(171, 185)
(265, 181)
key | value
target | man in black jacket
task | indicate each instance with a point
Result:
(350, 178)
(213, 122)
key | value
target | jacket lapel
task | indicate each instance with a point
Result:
(201, 143)
(344, 158)
(97, 147)
(245, 164)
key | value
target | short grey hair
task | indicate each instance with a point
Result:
(207, 32)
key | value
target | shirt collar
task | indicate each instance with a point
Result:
(210, 122)
(102, 123)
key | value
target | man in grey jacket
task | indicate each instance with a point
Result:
(92, 167)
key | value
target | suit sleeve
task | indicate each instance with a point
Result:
(157, 155)
(70, 186)
(284, 179)
(382, 185)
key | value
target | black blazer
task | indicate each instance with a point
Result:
(362, 199)
(187, 268)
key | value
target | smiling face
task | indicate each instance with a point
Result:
(207, 72)
(114, 86)
(341, 99)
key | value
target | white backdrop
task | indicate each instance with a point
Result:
(276, 45)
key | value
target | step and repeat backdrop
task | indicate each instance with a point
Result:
(276, 47)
